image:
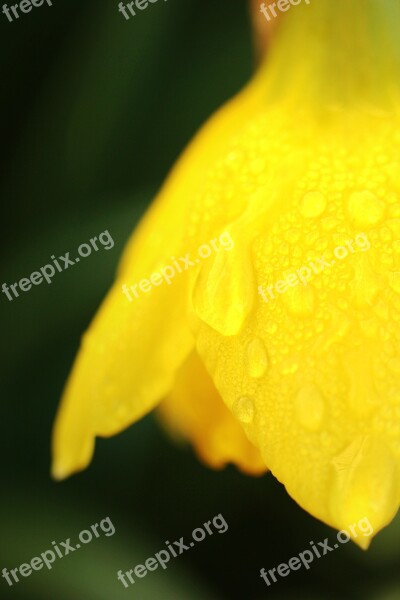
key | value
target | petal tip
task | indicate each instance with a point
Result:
(58, 473)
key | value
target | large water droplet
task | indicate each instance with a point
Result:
(257, 358)
(310, 407)
(243, 409)
(313, 204)
(224, 290)
(365, 209)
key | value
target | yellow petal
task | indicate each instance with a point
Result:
(194, 410)
(131, 352)
(325, 412)
(120, 373)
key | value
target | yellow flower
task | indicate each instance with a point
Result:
(282, 349)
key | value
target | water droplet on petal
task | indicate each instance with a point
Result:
(243, 409)
(224, 290)
(257, 358)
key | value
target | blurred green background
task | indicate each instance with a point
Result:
(94, 111)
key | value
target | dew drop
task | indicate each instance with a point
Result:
(224, 291)
(365, 209)
(243, 409)
(313, 204)
(257, 358)
(310, 407)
